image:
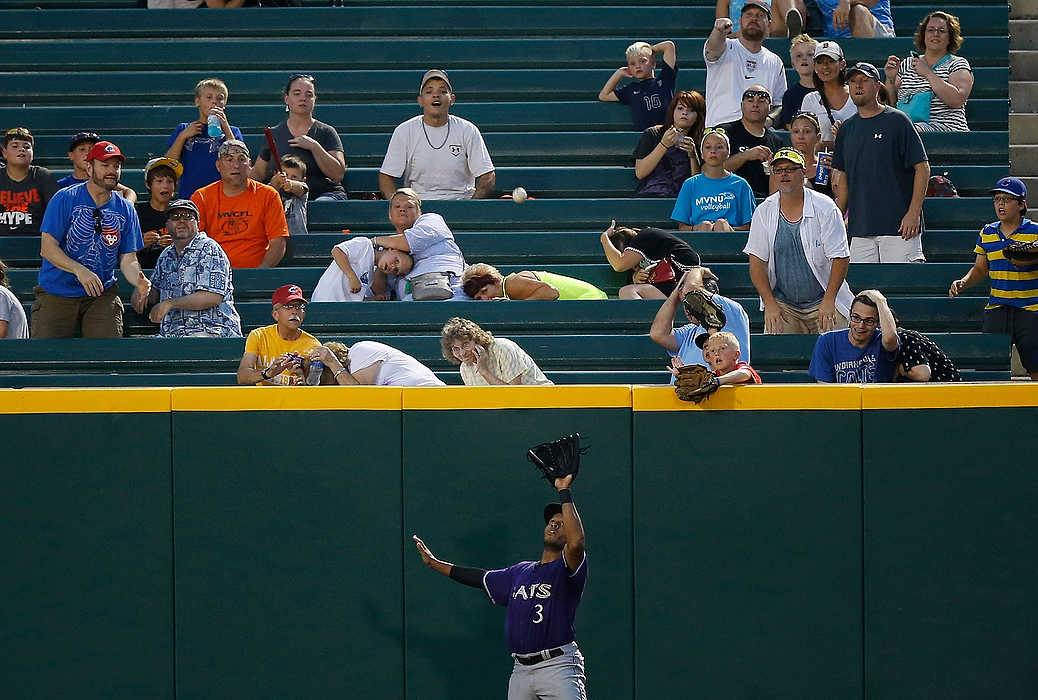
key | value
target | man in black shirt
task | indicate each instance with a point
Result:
(160, 177)
(753, 143)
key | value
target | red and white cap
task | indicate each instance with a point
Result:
(287, 293)
(105, 150)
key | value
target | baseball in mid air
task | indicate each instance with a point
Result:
(519, 195)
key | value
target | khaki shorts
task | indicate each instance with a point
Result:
(65, 317)
(805, 321)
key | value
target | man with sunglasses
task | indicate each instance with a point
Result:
(798, 254)
(733, 65)
(25, 189)
(865, 353)
(752, 140)
(191, 291)
(85, 232)
(274, 354)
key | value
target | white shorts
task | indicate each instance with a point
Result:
(892, 249)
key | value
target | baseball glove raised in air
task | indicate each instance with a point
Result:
(1022, 254)
(558, 458)
(701, 304)
(695, 383)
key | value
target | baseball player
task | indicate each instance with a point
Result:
(541, 598)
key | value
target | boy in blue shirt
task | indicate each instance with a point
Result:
(865, 353)
(193, 145)
(648, 96)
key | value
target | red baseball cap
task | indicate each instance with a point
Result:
(105, 150)
(287, 293)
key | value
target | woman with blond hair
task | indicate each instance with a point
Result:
(485, 360)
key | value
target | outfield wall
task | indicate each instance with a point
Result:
(244, 542)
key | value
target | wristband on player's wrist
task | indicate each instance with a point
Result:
(263, 373)
(565, 496)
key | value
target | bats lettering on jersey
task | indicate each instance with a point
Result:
(534, 590)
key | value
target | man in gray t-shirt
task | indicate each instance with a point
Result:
(880, 174)
(13, 323)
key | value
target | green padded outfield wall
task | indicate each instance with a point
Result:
(87, 577)
(773, 542)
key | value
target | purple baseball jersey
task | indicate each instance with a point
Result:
(542, 602)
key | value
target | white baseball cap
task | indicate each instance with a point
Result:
(830, 49)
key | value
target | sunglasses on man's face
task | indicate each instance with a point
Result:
(97, 221)
(756, 94)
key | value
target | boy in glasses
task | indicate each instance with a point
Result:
(78, 150)
(195, 144)
(85, 232)
(25, 189)
(866, 353)
(647, 96)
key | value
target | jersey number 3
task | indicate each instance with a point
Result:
(538, 614)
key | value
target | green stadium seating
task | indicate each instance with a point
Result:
(429, 21)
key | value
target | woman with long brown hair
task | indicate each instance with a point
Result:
(667, 153)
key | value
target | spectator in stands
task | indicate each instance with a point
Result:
(751, 141)
(438, 155)
(643, 251)
(857, 18)
(715, 199)
(721, 355)
(806, 135)
(291, 185)
(85, 231)
(831, 101)
(351, 274)
(370, 363)
(25, 189)
(160, 177)
(880, 175)
(932, 89)
(801, 59)
(274, 354)
(1012, 307)
(13, 323)
(733, 65)
(788, 20)
(315, 143)
(863, 354)
(194, 145)
(78, 150)
(483, 282)
(681, 342)
(921, 360)
(421, 261)
(244, 216)
(191, 291)
(485, 360)
(668, 154)
(798, 255)
(647, 96)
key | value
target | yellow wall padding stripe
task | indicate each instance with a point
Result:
(776, 397)
(26, 401)
(284, 398)
(908, 396)
(571, 396)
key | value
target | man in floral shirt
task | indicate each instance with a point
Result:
(191, 290)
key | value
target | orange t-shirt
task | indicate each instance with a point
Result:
(242, 225)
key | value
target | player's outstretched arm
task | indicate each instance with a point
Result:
(571, 524)
(461, 574)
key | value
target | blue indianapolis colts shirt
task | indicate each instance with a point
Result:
(542, 602)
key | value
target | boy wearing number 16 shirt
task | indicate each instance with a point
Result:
(541, 598)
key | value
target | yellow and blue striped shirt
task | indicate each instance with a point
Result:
(1010, 285)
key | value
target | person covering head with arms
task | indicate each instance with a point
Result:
(866, 352)
(85, 232)
(484, 282)
(643, 251)
(541, 599)
(191, 290)
(1012, 307)
(798, 254)
(484, 359)
(274, 354)
(438, 155)
(315, 143)
(880, 175)
(370, 363)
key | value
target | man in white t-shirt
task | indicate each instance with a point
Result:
(733, 65)
(437, 154)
